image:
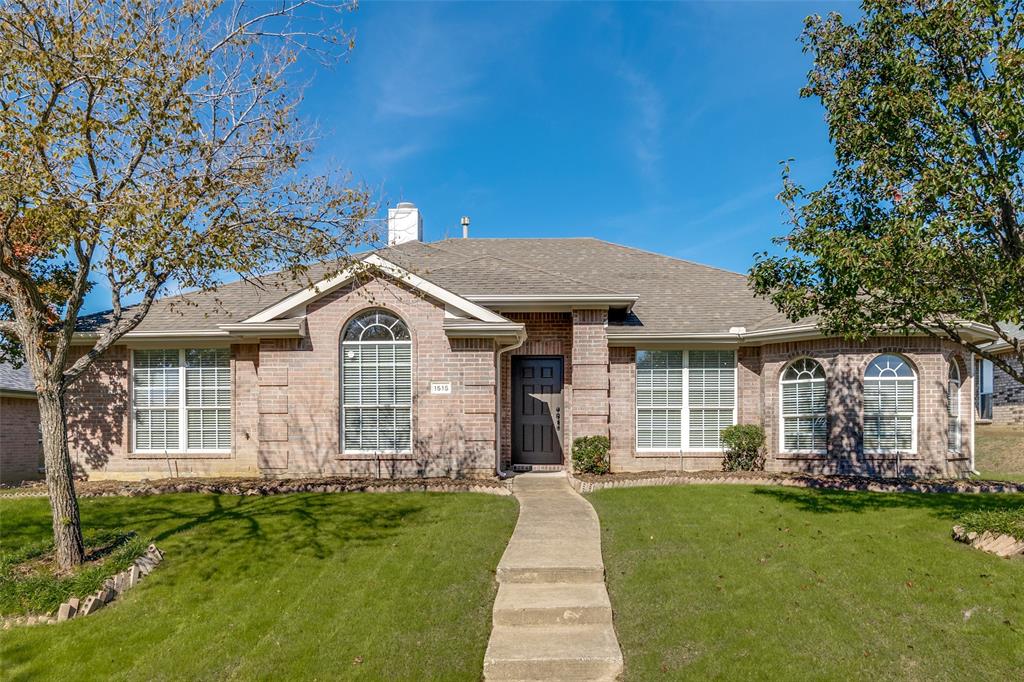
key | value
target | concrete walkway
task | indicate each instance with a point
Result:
(552, 617)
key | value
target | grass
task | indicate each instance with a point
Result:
(999, 452)
(29, 582)
(736, 582)
(303, 586)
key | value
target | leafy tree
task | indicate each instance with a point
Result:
(149, 143)
(919, 227)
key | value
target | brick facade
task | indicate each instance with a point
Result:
(286, 400)
(758, 373)
(1007, 398)
(21, 455)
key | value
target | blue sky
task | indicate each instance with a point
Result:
(660, 126)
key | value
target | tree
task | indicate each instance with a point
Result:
(919, 227)
(148, 143)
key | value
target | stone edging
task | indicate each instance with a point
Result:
(999, 544)
(112, 588)
(798, 481)
(264, 487)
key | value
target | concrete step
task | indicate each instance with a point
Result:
(537, 468)
(552, 604)
(552, 652)
(550, 574)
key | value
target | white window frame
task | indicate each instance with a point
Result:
(685, 410)
(182, 406)
(782, 410)
(914, 416)
(957, 417)
(341, 385)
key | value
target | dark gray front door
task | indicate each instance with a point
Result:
(536, 410)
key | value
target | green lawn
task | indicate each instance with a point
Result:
(737, 582)
(999, 452)
(302, 586)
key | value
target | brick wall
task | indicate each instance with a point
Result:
(758, 373)
(590, 406)
(1007, 398)
(453, 435)
(21, 455)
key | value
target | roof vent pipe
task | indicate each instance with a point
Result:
(465, 226)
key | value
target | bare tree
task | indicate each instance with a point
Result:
(149, 142)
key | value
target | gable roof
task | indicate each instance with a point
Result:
(16, 380)
(672, 296)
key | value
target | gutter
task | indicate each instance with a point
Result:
(513, 301)
(497, 413)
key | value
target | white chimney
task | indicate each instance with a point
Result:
(405, 224)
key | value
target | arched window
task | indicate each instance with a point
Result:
(804, 406)
(953, 402)
(890, 405)
(376, 383)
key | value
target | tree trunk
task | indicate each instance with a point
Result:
(60, 483)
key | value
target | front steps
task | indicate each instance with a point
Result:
(552, 618)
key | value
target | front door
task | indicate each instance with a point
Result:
(536, 410)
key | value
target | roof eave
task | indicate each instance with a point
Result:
(553, 301)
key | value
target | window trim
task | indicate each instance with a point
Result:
(360, 452)
(783, 415)
(182, 448)
(685, 409)
(914, 416)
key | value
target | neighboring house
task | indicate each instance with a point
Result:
(1000, 397)
(466, 355)
(21, 452)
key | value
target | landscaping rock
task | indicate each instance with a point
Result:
(91, 606)
(66, 612)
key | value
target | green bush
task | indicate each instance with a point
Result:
(744, 448)
(999, 521)
(590, 455)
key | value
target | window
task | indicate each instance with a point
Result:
(181, 400)
(953, 403)
(659, 399)
(376, 384)
(890, 405)
(684, 392)
(983, 380)
(804, 399)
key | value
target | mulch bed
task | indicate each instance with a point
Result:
(591, 482)
(264, 486)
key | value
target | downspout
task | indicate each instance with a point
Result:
(497, 412)
(974, 408)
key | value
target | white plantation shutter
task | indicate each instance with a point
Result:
(155, 399)
(181, 400)
(804, 398)
(890, 405)
(376, 384)
(712, 396)
(659, 399)
(208, 398)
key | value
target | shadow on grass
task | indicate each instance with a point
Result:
(943, 506)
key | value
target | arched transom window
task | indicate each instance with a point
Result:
(953, 402)
(804, 407)
(890, 405)
(376, 384)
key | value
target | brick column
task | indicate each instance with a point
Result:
(589, 374)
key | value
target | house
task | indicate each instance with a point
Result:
(466, 356)
(21, 453)
(1000, 397)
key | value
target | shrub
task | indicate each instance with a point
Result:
(999, 521)
(744, 448)
(590, 455)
